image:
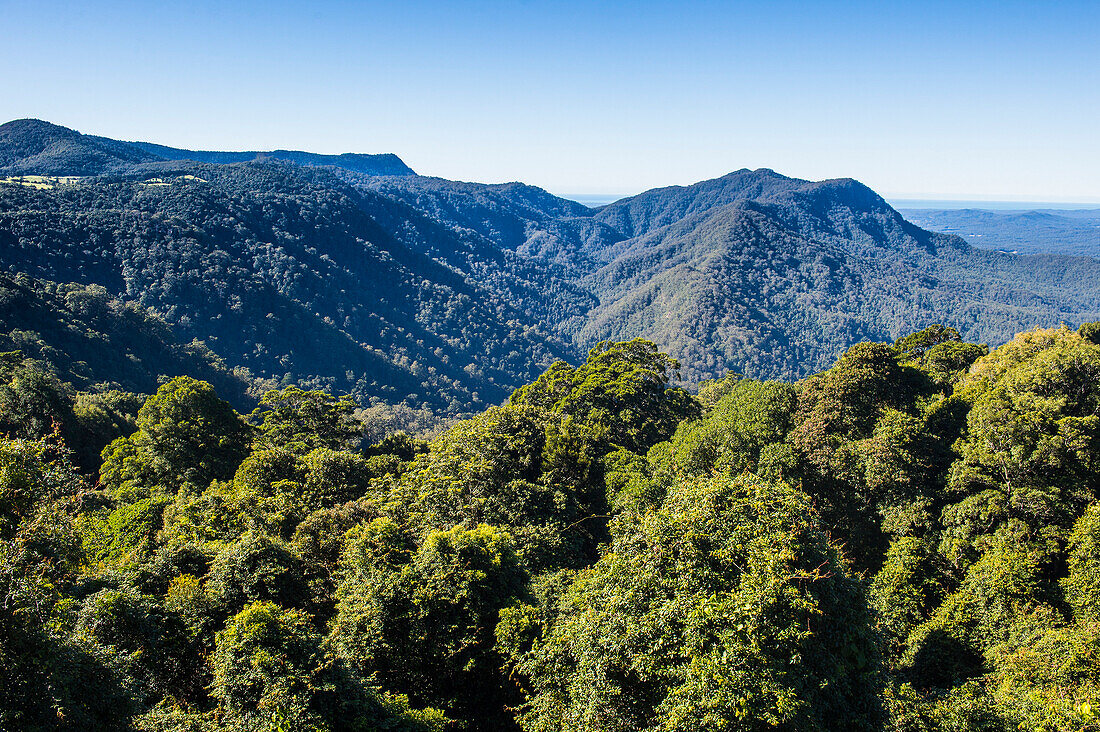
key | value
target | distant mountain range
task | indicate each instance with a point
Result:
(34, 147)
(385, 164)
(1054, 231)
(352, 272)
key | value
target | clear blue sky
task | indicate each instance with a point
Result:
(917, 99)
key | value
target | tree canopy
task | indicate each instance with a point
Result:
(908, 540)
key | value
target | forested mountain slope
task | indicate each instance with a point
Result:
(517, 217)
(640, 214)
(760, 273)
(315, 270)
(287, 271)
(34, 147)
(802, 269)
(94, 341)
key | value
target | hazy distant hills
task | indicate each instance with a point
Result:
(399, 287)
(1074, 232)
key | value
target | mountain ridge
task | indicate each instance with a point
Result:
(36, 147)
(1066, 232)
(366, 163)
(419, 289)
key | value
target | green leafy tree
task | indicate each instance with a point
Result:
(910, 585)
(1001, 598)
(319, 541)
(1082, 584)
(256, 568)
(268, 491)
(856, 444)
(264, 663)
(941, 353)
(738, 430)
(1090, 332)
(1051, 681)
(1030, 460)
(725, 607)
(145, 646)
(32, 400)
(186, 434)
(302, 421)
(132, 529)
(623, 386)
(269, 674)
(334, 477)
(490, 469)
(47, 681)
(422, 622)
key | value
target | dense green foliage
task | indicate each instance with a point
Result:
(909, 540)
(771, 276)
(723, 607)
(79, 360)
(97, 342)
(285, 271)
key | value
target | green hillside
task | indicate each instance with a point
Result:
(287, 271)
(759, 273)
(95, 341)
(779, 284)
(405, 289)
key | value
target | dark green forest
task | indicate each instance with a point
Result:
(284, 271)
(908, 540)
(352, 274)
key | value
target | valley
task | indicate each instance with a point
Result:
(352, 273)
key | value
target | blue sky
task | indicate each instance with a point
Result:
(937, 100)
